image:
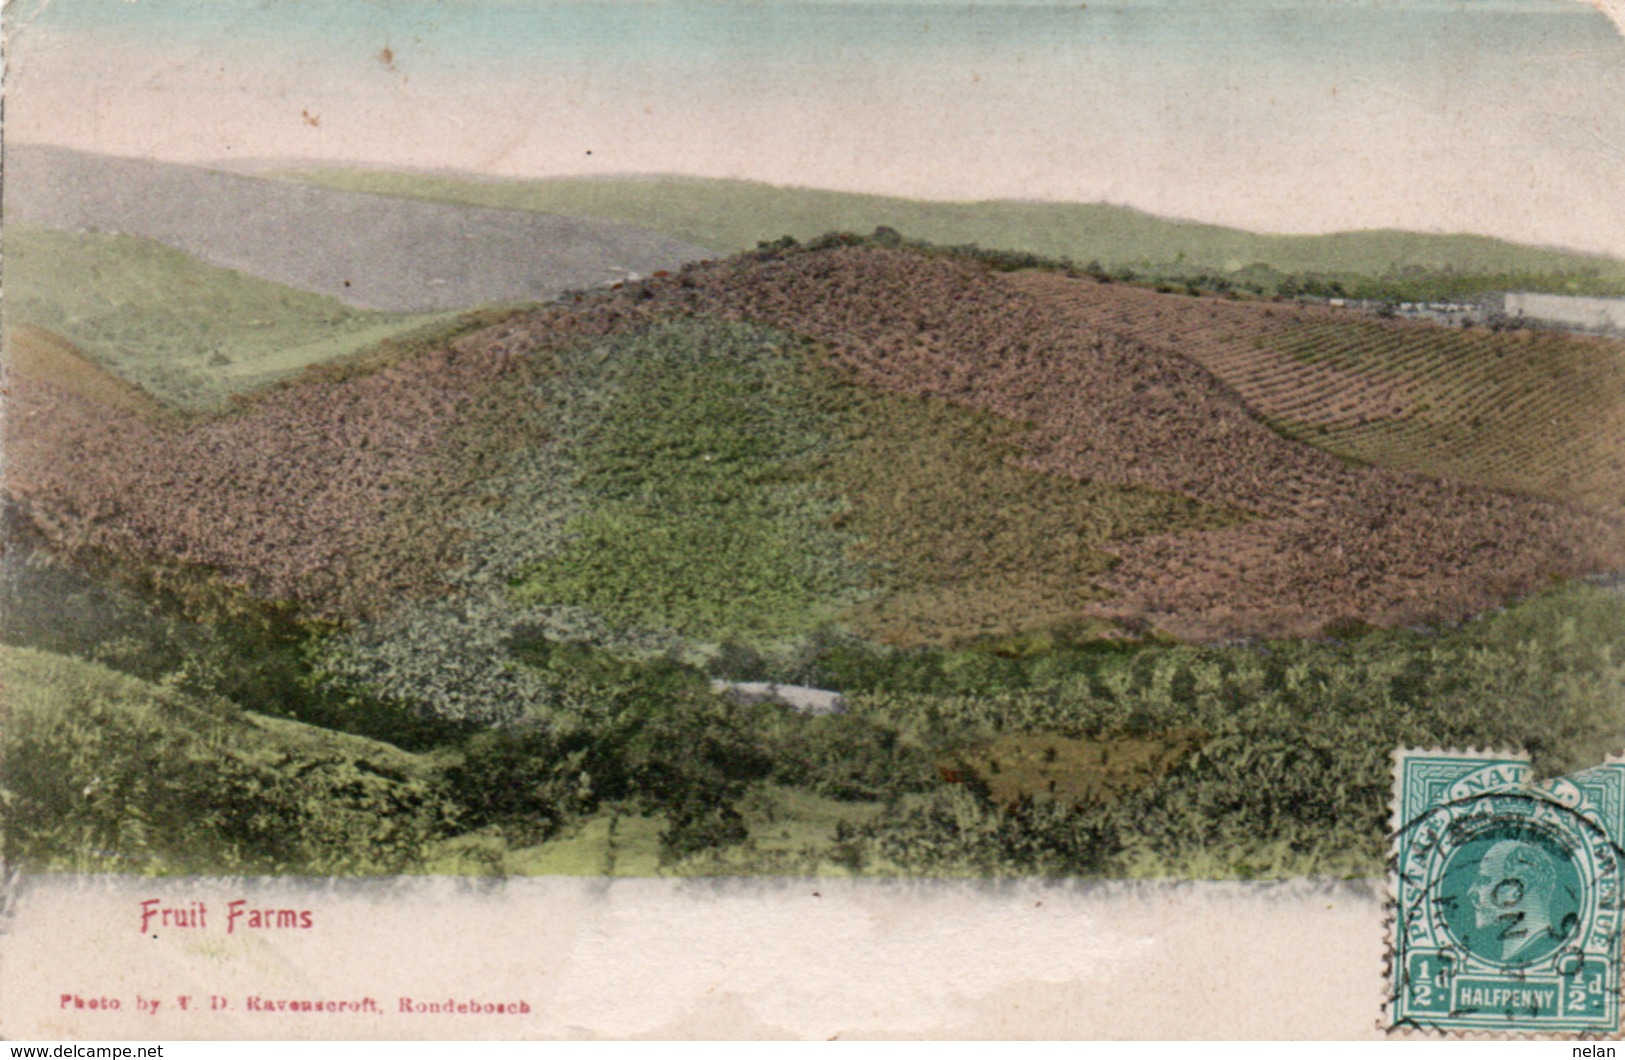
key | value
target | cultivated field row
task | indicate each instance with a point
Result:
(1531, 411)
(1225, 338)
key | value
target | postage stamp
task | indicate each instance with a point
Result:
(1507, 895)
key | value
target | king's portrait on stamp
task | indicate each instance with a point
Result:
(1507, 896)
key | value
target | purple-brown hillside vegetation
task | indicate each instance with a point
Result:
(342, 493)
(1335, 541)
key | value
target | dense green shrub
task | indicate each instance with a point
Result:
(524, 782)
(844, 756)
(1290, 775)
(105, 772)
(192, 634)
(644, 736)
(955, 832)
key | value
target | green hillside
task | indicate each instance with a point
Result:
(1189, 761)
(107, 772)
(731, 215)
(188, 333)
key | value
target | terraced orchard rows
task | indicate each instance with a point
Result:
(1228, 339)
(1540, 412)
(1535, 412)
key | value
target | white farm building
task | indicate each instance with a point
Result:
(1586, 314)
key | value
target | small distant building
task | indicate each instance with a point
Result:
(1585, 314)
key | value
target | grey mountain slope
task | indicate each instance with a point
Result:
(370, 251)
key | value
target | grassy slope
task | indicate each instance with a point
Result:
(188, 333)
(42, 355)
(107, 771)
(729, 215)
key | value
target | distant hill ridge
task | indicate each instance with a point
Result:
(368, 251)
(731, 215)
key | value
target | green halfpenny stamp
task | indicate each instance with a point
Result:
(1508, 897)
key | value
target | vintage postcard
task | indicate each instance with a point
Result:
(812, 518)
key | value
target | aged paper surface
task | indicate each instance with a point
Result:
(583, 518)
(753, 959)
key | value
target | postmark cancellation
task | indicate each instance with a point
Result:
(1507, 897)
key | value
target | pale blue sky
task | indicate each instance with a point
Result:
(1505, 117)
